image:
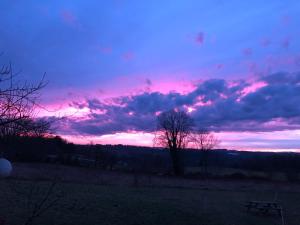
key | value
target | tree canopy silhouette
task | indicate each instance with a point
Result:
(174, 128)
(204, 141)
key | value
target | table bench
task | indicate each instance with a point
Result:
(264, 207)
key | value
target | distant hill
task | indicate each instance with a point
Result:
(141, 159)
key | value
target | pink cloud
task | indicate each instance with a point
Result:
(62, 109)
(126, 138)
(253, 88)
(136, 113)
(158, 113)
(165, 86)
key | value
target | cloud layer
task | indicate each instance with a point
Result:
(269, 103)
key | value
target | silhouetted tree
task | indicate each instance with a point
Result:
(174, 128)
(26, 127)
(17, 104)
(204, 141)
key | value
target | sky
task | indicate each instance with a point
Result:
(113, 66)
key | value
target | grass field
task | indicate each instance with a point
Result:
(89, 203)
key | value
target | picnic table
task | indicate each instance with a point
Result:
(264, 207)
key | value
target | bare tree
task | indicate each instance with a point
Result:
(38, 128)
(174, 128)
(17, 104)
(204, 141)
(26, 127)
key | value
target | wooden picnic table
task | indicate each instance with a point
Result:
(264, 207)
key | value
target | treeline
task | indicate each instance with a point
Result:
(34, 148)
(139, 159)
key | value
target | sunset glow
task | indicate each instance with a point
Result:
(113, 68)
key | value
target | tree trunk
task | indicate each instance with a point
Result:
(205, 163)
(178, 168)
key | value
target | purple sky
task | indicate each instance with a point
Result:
(113, 66)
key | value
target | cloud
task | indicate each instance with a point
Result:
(269, 103)
(260, 109)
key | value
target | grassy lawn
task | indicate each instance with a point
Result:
(88, 204)
(89, 197)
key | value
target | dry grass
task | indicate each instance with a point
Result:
(92, 197)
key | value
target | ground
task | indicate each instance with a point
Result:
(139, 200)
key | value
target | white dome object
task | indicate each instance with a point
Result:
(5, 168)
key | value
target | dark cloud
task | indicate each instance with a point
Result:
(219, 105)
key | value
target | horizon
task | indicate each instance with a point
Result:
(151, 145)
(113, 68)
